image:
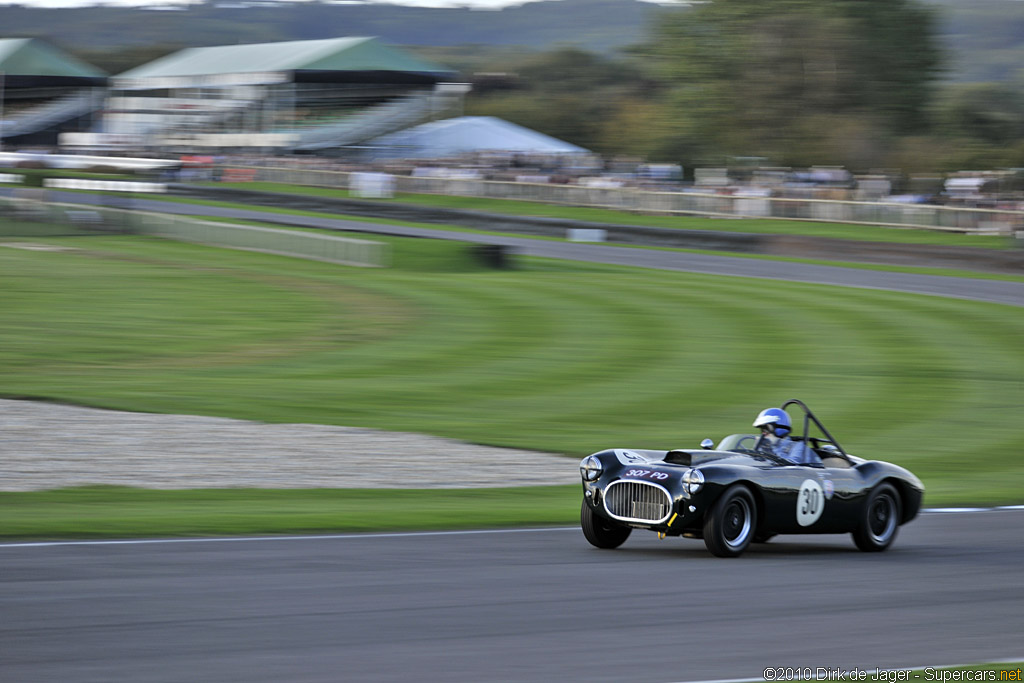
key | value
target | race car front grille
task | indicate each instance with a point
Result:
(637, 501)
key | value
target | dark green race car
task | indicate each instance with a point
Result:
(742, 492)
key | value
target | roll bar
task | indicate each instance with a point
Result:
(808, 417)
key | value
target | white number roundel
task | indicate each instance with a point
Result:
(809, 503)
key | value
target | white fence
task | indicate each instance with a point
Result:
(933, 217)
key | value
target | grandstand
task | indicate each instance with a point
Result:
(313, 95)
(45, 91)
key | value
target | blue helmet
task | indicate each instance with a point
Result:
(777, 419)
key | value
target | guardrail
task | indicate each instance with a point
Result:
(307, 245)
(924, 216)
(30, 218)
(105, 185)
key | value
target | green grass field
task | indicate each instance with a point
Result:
(568, 358)
(107, 511)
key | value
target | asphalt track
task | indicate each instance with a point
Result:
(997, 291)
(530, 605)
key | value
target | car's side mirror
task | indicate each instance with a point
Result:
(707, 444)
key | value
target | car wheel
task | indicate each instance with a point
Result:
(601, 532)
(879, 521)
(729, 526)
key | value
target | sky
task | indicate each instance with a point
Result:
(479, 4)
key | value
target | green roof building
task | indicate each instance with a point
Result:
(334, 60)
(31, 62)
(303, 95)
(45, 91)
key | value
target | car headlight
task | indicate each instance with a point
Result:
(694, 481)
(591, 468)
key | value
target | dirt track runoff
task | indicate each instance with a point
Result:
(48, 445)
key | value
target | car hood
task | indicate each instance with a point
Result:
(690, 458)
(696, 458)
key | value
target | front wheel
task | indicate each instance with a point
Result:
(601, 532)
(729, 526)
(879, 520)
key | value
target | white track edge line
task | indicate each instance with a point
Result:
(307, 537)
(397, 534)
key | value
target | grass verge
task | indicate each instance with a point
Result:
(763, 225)
(117, 512)
(919, 270)
(512, 207)
(552, 356)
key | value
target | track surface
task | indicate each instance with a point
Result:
(536, 605)
(996, 291)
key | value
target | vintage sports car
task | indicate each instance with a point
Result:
(743, 491)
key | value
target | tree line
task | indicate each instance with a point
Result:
(857, 83)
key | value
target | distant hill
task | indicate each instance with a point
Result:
(984, 38)
(596, 25)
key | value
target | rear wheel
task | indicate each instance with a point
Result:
(729, 526)
(880, 519)
(601, 532)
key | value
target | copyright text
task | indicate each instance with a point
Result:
(823, 673)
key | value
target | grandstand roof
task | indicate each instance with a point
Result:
(467, 134)
(31, 61)
(279, 62)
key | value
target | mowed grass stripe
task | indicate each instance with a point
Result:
(568, 333)
(868, 355)
(904, 366)
(955, 363)
(553, 356)
(163, 297)
(969, 414)
(522, 389)
(668, 360)
(480, 325)
(784, 358)
(546, 314)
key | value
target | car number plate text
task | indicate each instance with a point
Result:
(647, 474)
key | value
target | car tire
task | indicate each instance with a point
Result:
(601, 532)
(730, 525)
(879, 519)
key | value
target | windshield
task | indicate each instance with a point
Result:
(740, 443)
